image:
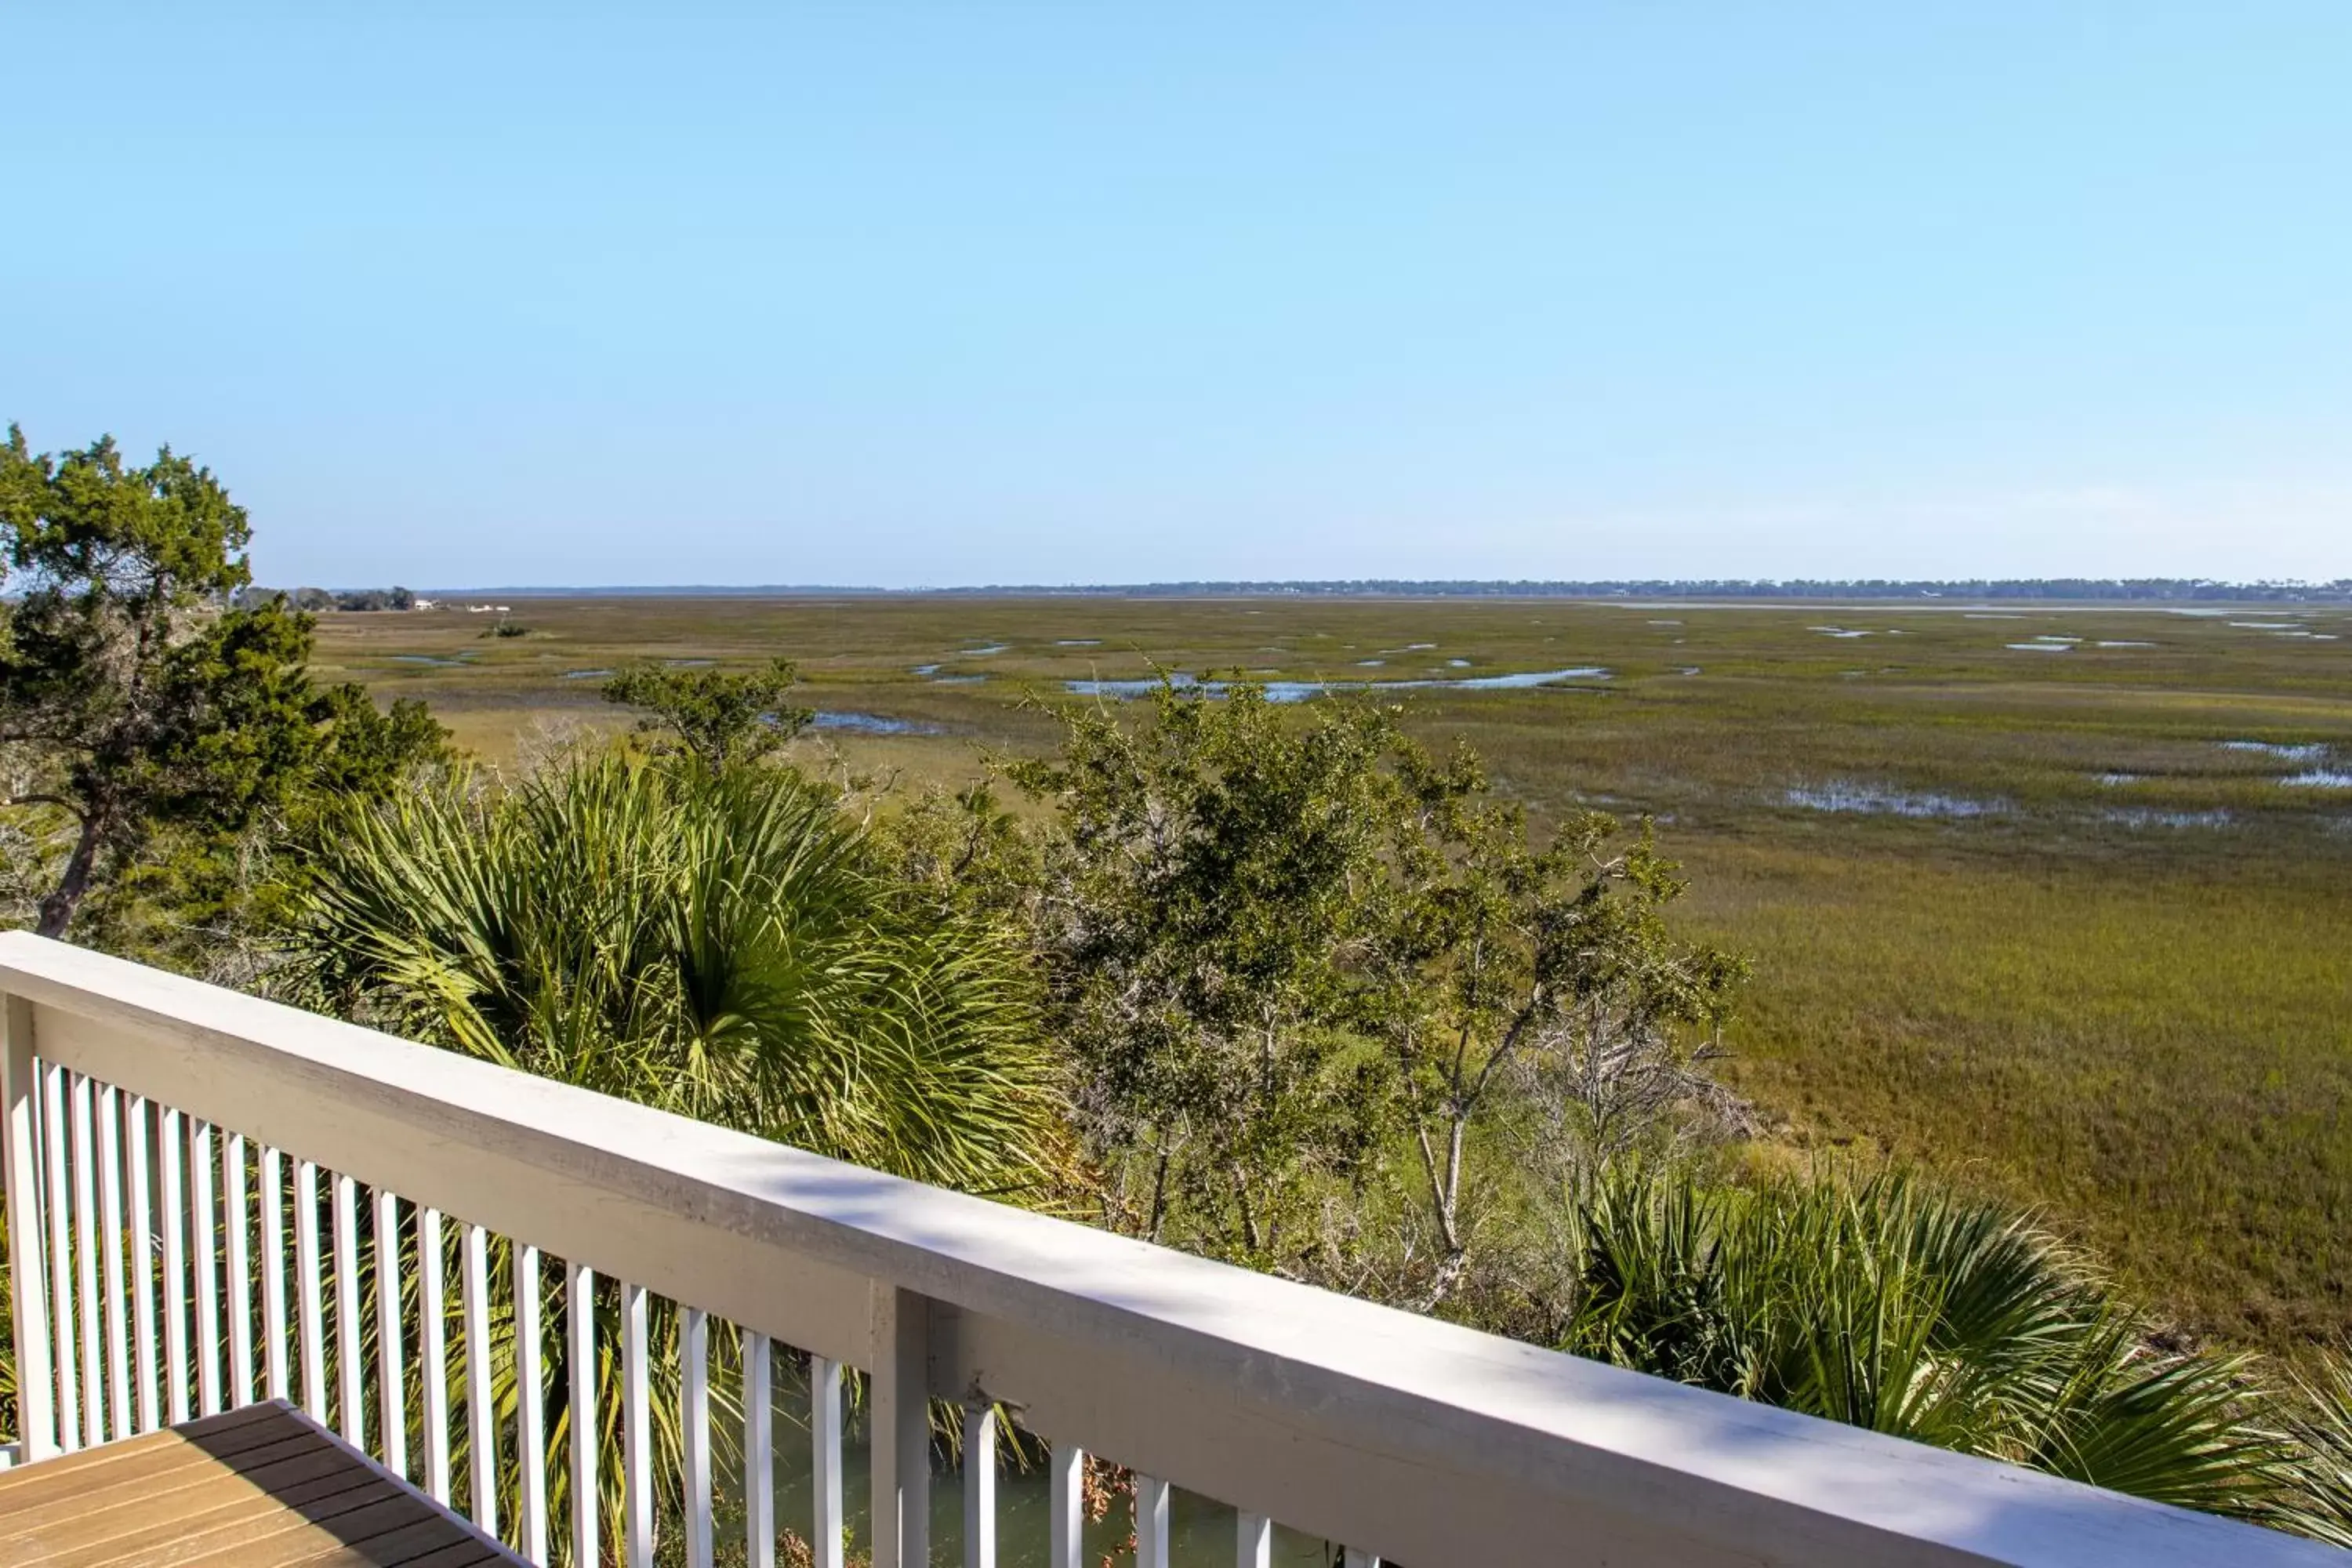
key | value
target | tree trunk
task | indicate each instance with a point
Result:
(1158, 1196)
(1450, 1270)
(57, 909)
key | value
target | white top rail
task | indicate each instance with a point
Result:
(1418, 1441)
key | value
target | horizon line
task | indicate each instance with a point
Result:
(2136, 589)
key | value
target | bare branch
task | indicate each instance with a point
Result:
(60, 801)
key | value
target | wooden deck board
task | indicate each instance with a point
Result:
(262, 1487)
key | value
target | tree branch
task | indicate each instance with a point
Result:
(57, 800)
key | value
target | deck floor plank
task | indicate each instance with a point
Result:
(157, 1536)
(294, 1458)
(216, 1436)
(262, 1487)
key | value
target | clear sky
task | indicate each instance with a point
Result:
(961, 292)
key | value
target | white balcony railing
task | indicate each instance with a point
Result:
(153, 1125)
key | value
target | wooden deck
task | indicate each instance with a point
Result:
(257, 1487)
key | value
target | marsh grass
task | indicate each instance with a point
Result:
(2157, 1054)
(2144, 1028)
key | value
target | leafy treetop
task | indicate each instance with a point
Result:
(718, 717)
(1281, 940)
(139, 700)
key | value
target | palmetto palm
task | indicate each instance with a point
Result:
(2323, 1505)
(1889, 1304)
(720, 943)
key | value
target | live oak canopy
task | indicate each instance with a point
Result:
(150, 717)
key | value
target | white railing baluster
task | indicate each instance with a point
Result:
(1066, 1470)
(392, 1404)
(203, 1219)
(273, 1268)
(636, 1432)
(979, 1486)
(824, 1470)
(110, 1213)
(580, 1330)
(531, 1416)
(481, 1416)
(694, 1415)
(1253, 1540)
(55, 1198)
(899, 1400)
(347, 1351)
(240, 1270)
(759, 1454)
(29, 1262)
(433, 1354)
(1150, 1523)
(85, 1225)
(307, 1289)
(176, 1265)
(138, 1132)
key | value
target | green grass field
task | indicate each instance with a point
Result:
(2024, 915)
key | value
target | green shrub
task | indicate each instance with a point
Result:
(718, 944)
(1890, 1304)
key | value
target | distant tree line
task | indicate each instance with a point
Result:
(311, 600)
(2134, 590)
(2155, 590)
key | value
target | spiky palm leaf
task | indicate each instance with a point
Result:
(720, 944)
(1889, 1304)
(2322, 1502)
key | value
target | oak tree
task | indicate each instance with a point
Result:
(137, 701)
(718, 717)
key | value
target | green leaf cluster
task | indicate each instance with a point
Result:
(1194, 900)
(1890, 1304)
(720, 943)
(154, 720)
(717, 717)
(2320, 1419)
(1284, 943)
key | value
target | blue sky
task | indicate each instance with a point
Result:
(965, 292)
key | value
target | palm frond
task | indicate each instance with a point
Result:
(719, 944)
(1891, 1304)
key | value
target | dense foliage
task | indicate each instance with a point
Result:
(1334, 1008)
(2320, 1423)
(393, 598)
(1191, 913)
(718, 943)
(718, 717)
(1886, 1304)
(149, 721)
